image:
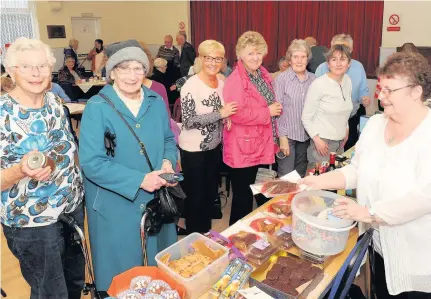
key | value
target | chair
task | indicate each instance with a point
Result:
(69, 119)
(344, 279)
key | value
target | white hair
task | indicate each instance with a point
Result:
(342, 38)
(23, 44)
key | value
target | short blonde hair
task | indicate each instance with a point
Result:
(251, 38)
(72, 41)
(197, 66)
(342, 38)
(204, 49)
(150, 58)
(298, 45)
(160, 62)
(23, 44)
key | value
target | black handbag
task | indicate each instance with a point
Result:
(163, 208)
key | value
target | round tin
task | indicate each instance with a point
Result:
(36, 160)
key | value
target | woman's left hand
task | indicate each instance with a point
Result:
(348, 209)
(167, 168)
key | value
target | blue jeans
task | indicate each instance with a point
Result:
(50, 263)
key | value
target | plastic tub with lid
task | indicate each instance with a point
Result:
(316, 234)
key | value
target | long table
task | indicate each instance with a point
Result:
(331, 266)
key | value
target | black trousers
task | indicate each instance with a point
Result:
(242, 196)
(201, 176)
(50, 263)
(353, 127)
(379, 280)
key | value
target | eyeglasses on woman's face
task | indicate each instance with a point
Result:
(26, 69)
(127, 70)
(386, 92)
(211, 59)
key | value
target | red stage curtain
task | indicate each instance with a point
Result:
(282, 21)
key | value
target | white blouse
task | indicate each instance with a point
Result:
(396, 183)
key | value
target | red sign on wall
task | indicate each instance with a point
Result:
(394, 19)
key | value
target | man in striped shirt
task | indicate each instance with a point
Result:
(169, 52)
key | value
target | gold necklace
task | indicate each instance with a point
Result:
(391, 139)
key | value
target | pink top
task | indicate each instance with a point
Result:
(249, 141)
(161, 90)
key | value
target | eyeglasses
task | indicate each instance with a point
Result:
(387, 92)
(28, 69)
(126, 70)
(216, 59)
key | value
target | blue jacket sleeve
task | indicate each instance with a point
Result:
(321, 70)
(96, 165)
(363, 86)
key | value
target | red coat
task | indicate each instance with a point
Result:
(249, 141)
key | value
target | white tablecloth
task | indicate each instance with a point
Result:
(87, 85)
(75, 108)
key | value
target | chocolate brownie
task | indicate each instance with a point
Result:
(282, 260)
(290, 290)
(277, 268)
(296, 275)
(273, 275)
(284, 279)
(294, 283)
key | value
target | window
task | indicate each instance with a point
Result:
(17, 19)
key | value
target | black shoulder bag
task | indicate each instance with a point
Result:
(162, 209)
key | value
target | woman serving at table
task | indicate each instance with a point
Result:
(391, 170)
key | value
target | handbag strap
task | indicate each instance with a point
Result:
(141, 144)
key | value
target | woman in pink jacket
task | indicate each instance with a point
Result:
(250, 138)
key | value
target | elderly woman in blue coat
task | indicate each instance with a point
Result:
(118, 179)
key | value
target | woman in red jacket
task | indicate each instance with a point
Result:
(250, 138)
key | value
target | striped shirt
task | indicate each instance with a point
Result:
(290, 92)
(169, 54)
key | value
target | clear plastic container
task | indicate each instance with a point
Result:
(203, 280)
(282, 239)
(260, 252)
(315, 235)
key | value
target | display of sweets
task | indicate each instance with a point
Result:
(144, 287)
(129, 294)
(140, 284)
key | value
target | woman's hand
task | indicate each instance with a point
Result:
(275, 109)
(167, 168)
(366, 101)
(348, 209)
(228, 109)
(173, 87)
(284, 145)
(39, 174)
(152, 181)
(321, 146)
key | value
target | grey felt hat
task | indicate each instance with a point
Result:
(124, 51)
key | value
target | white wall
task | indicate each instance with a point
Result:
(147, 21)
(414, 22)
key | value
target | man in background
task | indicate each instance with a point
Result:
(317, 54)
(187, 53)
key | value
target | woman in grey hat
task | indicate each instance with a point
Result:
(118, 179)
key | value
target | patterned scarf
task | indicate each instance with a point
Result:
(267, 94)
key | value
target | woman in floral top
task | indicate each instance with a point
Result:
(32, 120)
